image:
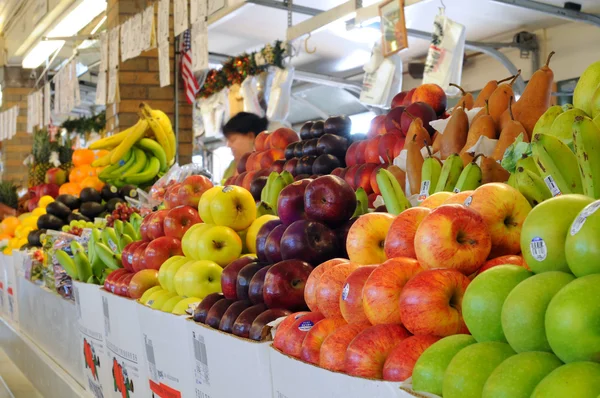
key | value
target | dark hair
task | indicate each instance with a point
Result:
(245, 123)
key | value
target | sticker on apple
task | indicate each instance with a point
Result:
(345, 291)
(468, 201)
(538, 248)
(305, 326)
(582, 217)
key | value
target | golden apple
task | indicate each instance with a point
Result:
(253, 231)
(232, 207)
(219, 244)
(366, 238)
(204, 204)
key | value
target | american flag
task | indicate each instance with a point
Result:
(191, 83)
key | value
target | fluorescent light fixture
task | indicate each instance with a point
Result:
(361, 122)
(76, 20)
(367, 34)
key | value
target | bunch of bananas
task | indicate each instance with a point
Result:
(103, 251)
(449, 177)
(270, 193)
(392, 193)
(140, 153)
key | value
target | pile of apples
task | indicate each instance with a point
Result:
(402, 287)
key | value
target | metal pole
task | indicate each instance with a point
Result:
(558, 12)
(176, 68)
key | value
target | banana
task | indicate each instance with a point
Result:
(140, 163)
(274, 190)
(76, 247)
(586, 137)
(110, 259)
(107, 172)
(67, 263)
(109, 238)
(167, 127)
(470, 178)
(287, 177)
(112, 141)
(97, 264)
(157, 129)
(128, 229)
(148, 174)
(124, 240)
(362, 203)
(430, 174)
(119, 172)
(82, 263)
(453, 166)
(118, 226)
(156, 150)
(103, 161)
(532, 186)
(557, 164)
(393, 195)
(512, 180)
(528, 163)
(134, 136)
(263, 208)
(544, 123)
(264, 194)
(136, 222)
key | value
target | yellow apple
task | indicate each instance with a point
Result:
(160, 300)
(253, 231)
(366, 238)
(155, 295)
(198, 279)
(204, 204)
(148, 293)
(162, 272)
(171, 271)
(171, 303)
(184, 304)
(232, 207)
(219, 244)
(436, 200)
(242, 234)
(189, 241)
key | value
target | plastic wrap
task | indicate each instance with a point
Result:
(281, 92)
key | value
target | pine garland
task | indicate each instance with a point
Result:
(236, 69)
(85, 125)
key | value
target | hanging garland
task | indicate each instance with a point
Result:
(85, 125)
(236, 69)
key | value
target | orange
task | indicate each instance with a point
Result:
(83, 156)
(5, 236)
(92, 182)
(100, 153)
(78, 174)
(70, 188)
(10, 224)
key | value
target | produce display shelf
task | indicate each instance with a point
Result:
(49, 378)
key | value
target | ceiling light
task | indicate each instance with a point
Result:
(76, 20)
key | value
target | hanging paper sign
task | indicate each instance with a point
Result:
(393, 27)
(180, 17)
(163, 21)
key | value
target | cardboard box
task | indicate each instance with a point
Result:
(168, 357)
(293, 378)
(92, 345)
(3, 296)
(228, 366)
(10, 276)
(124, 347)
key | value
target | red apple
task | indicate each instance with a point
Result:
(284, 285)
(351, 298)
(55, 176)
(398, 99)
(192, 188)
(201, 310)
(138, 260)
(259, 330)
(431, 303)
(329, 289)
(313, 281)
(241, 166)
(372, 150)
(260, 143)
(339, 171)
(400, 240)
(309, 241)
(172, 196)
(362, 178)
(111, 279)
(333, 350)
(230, 273)
(504, 210)
(179, 220)
(509, 259)
(393, 121)
(408, 98)
(350, 157)
(142, 281)
(311, 346)
(368, 351)
(282, 137)
(398, 147)
(377, 126)
(366, 238)
(248, 178)
(280, 335)
(155, 226)
(277, 165)
(47, 190)
(243, 323)
(419, 110)
(350, 175)
(386, 146)
(360, 152)
(381, 292)
(295, 334)
(431, 94)
(122, 285)
(329, 199)
(290, 204)
(290, 166)
(453, 236)
(127, 255)
(401, 361)
(160, 250)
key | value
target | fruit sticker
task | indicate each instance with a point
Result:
(345, 291)
(582, 217)
(424, 193)
(538, 248)
(551, 184)
(305, 326)
(468, 201)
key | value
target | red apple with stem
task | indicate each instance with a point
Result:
(192, 188)
(284, 285)
(179, 220)
(400, 240)
(160, 250)
(155, 226)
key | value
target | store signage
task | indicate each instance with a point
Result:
(393, 27)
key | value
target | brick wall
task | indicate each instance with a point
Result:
(139, 81)
(16, 85)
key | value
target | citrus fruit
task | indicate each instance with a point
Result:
(83, 157)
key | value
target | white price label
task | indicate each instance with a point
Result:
(582, 217)
(538, 248)
(551, 184)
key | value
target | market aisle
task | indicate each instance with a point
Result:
(13, 383)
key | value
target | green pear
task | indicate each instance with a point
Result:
(545, 121)
(586, 87)
(579, 379)
(562, 128)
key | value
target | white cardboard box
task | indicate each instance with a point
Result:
(228, 366)
(3, 297)
(293, 378)
(10, 276)
(169, 360)
(124, 347)
(96, 367)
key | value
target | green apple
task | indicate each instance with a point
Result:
(518, 375)
(545, 230)
(183, 305)
(170, 304)
(219, 244)
(582, 247)
(428, 373)
(484, 297)
(162, 272)
(190, 239)
(198, 279)
(524, 310)
(574, 380)
(573, 321)
(471, 367)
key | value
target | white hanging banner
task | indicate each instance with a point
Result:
(180, 16)
(47, 117)
(163, 21)
(198, 10)
(148, 35)
(199, 46)
(164, 67)
(101, 82)
(125, 42)
(40, 107)
(136, 35)
(30, 113)
(13, 121)
(113, 48)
